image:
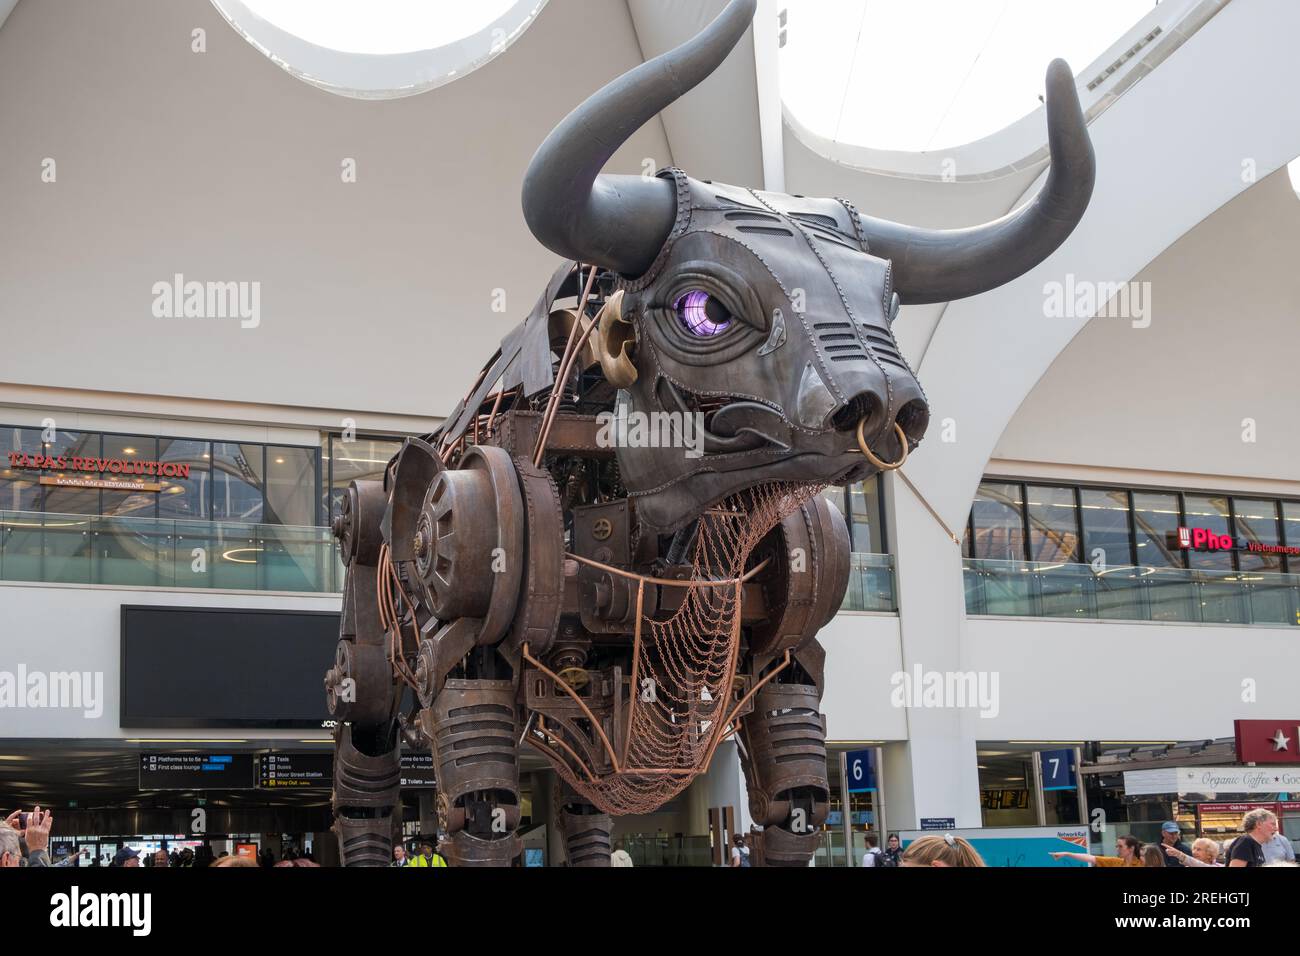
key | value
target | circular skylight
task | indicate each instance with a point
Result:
(380, 48)
(920, 75)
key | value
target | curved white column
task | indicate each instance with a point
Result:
(1169, 153)
(1175, 148)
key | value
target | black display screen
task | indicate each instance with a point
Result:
(217, 667)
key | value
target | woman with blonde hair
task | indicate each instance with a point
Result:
(946, 850)
(1205, 852)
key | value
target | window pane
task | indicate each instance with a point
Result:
(362, 458)
(290, 486)
(1053, 524)
(1105, 527)
(76, 501)
(19, 490)
(996, 515)
(1155, 516)
(1257, 522)
(1291, 532)
(835, 495)
(129, 449)
(185, 497)
(237, 482)
(1206, 511)
(864, 517)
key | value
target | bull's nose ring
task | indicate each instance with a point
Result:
(882, 465)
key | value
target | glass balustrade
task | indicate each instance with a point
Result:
(871, 583)
(1037, 589)
(160, 552)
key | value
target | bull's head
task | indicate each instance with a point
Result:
(770, 314)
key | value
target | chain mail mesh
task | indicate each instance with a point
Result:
(683, 667)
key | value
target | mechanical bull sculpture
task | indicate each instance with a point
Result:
(542, 571)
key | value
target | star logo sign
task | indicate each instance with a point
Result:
(1280, 741)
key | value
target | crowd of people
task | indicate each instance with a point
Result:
(1260, 844)
(25, 841)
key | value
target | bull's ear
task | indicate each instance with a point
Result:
(937, 265)
(615, 343)
(619, 222)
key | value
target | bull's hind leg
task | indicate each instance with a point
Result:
(362, 695)
(784, 760)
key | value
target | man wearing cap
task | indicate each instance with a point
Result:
(427, 857)
(126, 857)
(1169, 838)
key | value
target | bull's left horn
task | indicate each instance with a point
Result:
(619, 222)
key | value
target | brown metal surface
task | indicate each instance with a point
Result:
(571, 434)
(470, 542)
(542, 588)
(809, 574)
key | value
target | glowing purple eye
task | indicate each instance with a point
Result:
(701, 314)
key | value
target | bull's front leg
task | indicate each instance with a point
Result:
(783, 736)
(367, 799)
(472, 723)
(784, 759)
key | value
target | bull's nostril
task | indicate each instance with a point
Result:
(914, 418)
(863, 405)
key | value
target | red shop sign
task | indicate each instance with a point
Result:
(99, 466)
(1267, 741)
(1203, 539)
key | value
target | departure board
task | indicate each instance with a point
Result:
(281, 771)
(195, 771)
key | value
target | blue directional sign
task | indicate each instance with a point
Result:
(860, 766)
(1058, 769)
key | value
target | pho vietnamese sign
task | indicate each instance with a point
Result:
(1203, 539)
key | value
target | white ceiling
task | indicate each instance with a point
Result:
(221, 166)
